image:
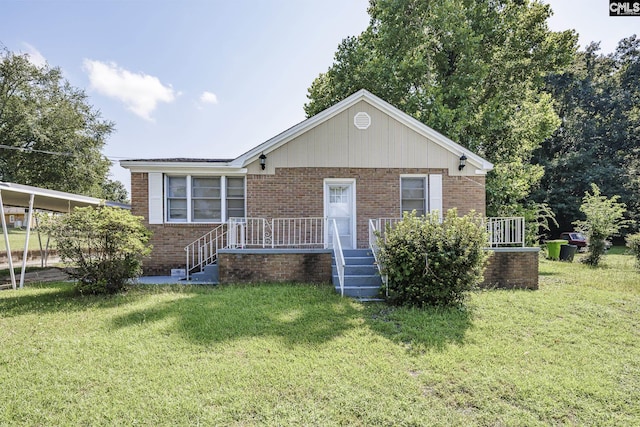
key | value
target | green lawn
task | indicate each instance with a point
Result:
(567, 354)
(17, 237)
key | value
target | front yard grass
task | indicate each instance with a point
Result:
(566, 354)
(17, 237)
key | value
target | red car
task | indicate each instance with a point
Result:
(575, 238)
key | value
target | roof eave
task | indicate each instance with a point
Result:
(163, 166)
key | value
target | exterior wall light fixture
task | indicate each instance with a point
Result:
(263, 161)
(463, 162)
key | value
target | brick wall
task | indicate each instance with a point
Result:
(168, 240)
(268, 266)
(298, 192)
(511, 268)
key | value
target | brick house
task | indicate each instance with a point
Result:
(358, 160)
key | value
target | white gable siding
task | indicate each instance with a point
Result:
(337, 142)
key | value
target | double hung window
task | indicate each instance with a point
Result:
(204, 198)
(414, 195)
(422, 193)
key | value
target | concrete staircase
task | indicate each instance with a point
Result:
(361, 278)
(207, 276)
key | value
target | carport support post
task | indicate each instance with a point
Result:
(6, 241)
(26, 241)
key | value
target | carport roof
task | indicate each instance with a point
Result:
(50, 200)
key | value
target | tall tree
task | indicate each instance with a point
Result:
(473, 70)
(49, 135)
(598, 98)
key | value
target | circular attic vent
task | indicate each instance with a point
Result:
(362, 120)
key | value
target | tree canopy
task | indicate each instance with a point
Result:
(50, 136)
(474, 71)
(598, 99)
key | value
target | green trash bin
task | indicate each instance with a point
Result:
(553, 248)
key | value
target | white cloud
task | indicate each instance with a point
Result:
(208, 98)
(35, 57)
(140, 92)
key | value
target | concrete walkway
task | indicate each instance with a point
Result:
(168, 280)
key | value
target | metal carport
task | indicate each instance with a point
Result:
(26, 196)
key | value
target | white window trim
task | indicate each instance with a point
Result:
(425, 178)
(433, 189)
(223, 197)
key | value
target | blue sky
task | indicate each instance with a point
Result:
(209, 78)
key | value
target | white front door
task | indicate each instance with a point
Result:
(339, 205)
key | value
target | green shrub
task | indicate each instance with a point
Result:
(604, 218)
(432, 263)
(633, 243)
(105, 246)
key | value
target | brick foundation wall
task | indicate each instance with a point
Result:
(512, 268)
(269, 266)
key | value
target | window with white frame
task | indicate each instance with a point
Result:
(206, 201)
(235, 197)
(177, 199)
(413, 192)
(204, 198)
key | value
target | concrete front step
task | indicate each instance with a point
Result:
(369, 292)
(209, 275)
(368, 280)
(356, 270)
(361, 278)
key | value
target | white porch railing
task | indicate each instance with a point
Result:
(204, 250)
(249, 233)
(298, 232)
(337, 253)
(310, 233)
(241, 233)
(506, 231)
(503, 231)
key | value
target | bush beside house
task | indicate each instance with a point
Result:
(433, 263)
(105, 245)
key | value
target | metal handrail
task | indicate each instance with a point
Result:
(374, 225)
(204, 250)
(337, 253)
